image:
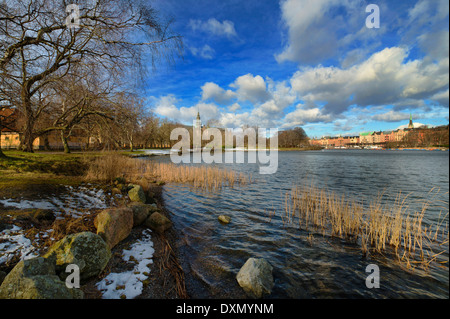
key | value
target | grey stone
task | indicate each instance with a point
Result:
(255, 277)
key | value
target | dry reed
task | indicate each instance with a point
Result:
(109, 167)
(375, 227)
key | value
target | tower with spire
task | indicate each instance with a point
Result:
(410, 125)
(198, 121)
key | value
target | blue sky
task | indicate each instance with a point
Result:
(308, 63)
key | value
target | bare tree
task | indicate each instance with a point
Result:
(39, 47)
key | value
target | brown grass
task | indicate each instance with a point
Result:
(109, 167)
(376, 227)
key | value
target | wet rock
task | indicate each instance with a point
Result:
(224, 219)
(86, 250)
(158, 222)
(140, 212)
(255, 277)
(36, 279)
(114, 225)
(136, 194)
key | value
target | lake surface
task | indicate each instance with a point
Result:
(306, 264)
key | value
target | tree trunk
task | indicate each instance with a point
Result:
(65, 143)
(46, 143)
(1, 153)
(28, 137)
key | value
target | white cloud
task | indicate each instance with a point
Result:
(251, 88)
(235, 107)
(166, 107)
(442, 98)
(301, 116)
(214, 27)
(211, 91)
(312, 28)
(391, 116)
(205, 52)
(385, 78)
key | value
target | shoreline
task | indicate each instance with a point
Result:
(166, 277)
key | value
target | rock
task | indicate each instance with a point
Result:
(140, 212)
(153, 207)
(158, 222)
(86, 250)
(136, 194)
(114, 225)
(255, 277)
(224, 219)
(36, 279)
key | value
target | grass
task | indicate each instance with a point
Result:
(27, 172)
(376, 227)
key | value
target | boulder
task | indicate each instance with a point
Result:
(86, 250)
(158, 223)
(36, 279)
(140, 212)
(255, 277)
(224, 219)
(136, 194)
(114, 225)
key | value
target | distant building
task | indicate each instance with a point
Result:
(11, 135)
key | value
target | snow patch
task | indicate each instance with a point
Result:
(74, 202)
(130, 283)
(13, 242)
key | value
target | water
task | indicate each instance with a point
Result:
(306, 264)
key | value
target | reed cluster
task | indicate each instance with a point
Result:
(109, 167)
(378, 226)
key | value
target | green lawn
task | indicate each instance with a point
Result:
(22, 172)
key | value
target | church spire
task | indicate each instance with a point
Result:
(410, 125)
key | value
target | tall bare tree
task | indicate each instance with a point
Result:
(40, 44)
